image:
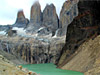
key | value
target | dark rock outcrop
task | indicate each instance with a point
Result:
(21, 21)
(84, 27)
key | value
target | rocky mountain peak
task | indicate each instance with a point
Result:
(20, 14)
(50, 18)
(21, 21)
(49, 12)
(35, 18)
(35, 13)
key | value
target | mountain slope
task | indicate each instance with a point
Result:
(8, 68)
(87, 57)
(13, 58)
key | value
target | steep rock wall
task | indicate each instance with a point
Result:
(31, 50)
(68, 13)
(50, 18)
(84, 27)
(35, 18)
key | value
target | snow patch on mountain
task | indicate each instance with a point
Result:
(2, 33)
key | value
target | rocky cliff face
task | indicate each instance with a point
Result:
(33, 50)
(21, 21)
(68, 13)
(84, 27)
(43, 23)
(50, 18)
(36, 13)
(35, 18)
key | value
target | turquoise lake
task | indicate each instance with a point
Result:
(49, 69)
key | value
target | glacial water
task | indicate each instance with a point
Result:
(49, 69)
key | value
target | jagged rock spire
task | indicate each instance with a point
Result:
(20, 14)
(50, 18)
(35, 13)
(21, 21)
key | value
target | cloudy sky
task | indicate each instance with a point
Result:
(9, 8)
